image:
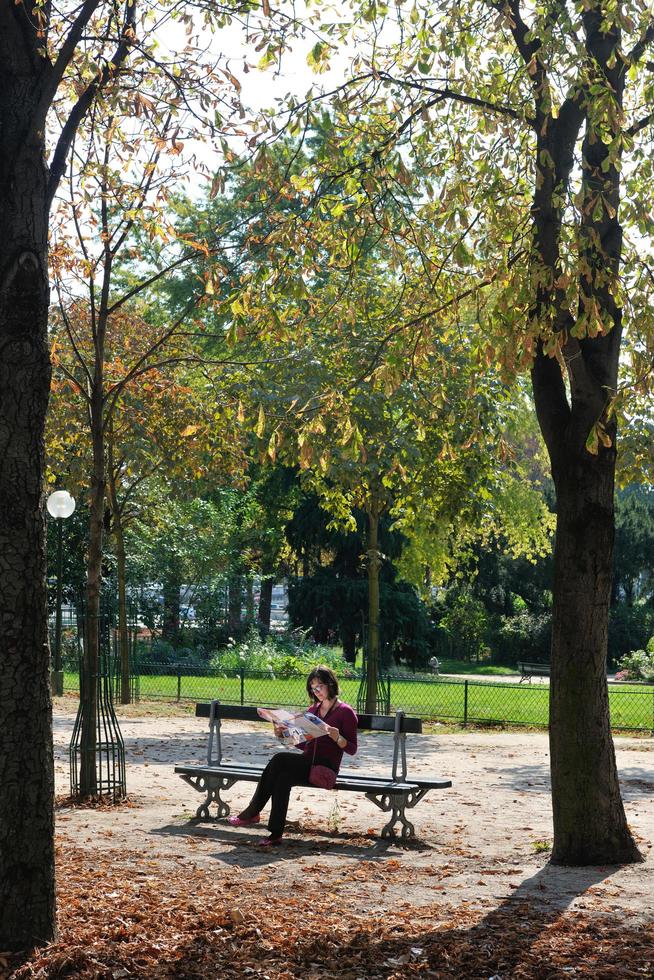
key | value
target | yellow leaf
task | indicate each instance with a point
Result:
(603, 436)
(190, 430)
(261, 423)
(592, 443)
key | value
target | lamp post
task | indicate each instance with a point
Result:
(60, 505)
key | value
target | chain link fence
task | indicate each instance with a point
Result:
(426, 696)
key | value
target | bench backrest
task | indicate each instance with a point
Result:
(399, 724)
(241, 712)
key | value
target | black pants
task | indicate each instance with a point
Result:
(285, 770)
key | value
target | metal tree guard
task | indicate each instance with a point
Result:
(110, 779)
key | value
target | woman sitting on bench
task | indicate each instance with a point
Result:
(320, 757)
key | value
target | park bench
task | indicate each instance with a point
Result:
(393, 794)
(527, 670)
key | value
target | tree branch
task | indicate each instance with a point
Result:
(641, 46)
(441, 94)
(54, 76)
(85, 100)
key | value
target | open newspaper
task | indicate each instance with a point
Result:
(294, 727)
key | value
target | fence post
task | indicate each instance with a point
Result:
(179, 683)
(388, 703)
(465, 703)
(242, 672)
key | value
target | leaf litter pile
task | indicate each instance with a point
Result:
(121, 917)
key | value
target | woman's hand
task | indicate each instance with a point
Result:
(333, 733)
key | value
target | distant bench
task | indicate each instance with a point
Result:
(527, 671)
(393, 794)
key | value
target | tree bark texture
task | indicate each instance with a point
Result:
(584, 772)
(27, 894)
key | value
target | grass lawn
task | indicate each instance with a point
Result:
(632, 707)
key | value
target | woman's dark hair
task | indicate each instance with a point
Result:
(326, 676)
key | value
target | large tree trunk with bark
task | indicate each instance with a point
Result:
(27, 895)
(584, 773)
(579, 427)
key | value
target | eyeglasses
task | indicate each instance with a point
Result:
(318, 686)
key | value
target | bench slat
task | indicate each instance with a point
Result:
(237, 712)
(346, 780)
(371, 723)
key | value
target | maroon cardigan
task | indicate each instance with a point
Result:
(327, 752)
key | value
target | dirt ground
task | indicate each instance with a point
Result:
(480, 843)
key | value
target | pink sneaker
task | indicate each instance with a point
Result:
(243, 821)
(269, 842)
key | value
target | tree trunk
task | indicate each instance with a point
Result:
(121, 574)
(349, 638)
(579, 428)
(265, 606)
(249, 600)
(374, 564)
(584, 773)
(171, 607)
(27, 893)
(123, 636)
(89, 680)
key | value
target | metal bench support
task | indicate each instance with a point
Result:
(211, 786)
(396, 804)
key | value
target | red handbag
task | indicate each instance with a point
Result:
(322, 776)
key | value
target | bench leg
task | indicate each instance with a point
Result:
(211, 786)
(395, 804)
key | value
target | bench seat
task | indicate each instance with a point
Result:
(394, 794)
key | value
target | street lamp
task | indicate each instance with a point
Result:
(60, 505)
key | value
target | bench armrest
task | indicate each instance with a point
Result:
(214, 733)
(399, 749)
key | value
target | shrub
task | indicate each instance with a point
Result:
(639, 664)
(630, 627)
(286, 655)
